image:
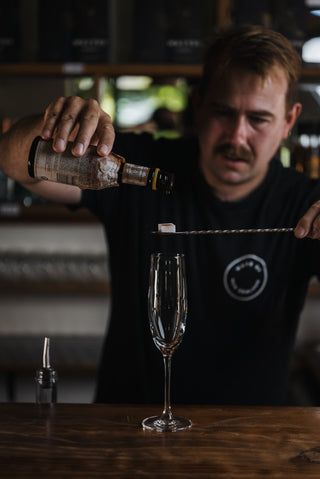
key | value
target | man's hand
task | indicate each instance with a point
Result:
(309, 225)
(82, 121)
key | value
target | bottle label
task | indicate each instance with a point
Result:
(88, 171)
(135, 175)
(52, 166)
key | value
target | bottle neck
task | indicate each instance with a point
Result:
(154, 178)
(161, 180)
(134, 174)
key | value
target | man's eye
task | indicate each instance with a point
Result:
(257, 119)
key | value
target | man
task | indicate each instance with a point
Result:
(245, 291)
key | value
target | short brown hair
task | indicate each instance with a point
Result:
(252, 48)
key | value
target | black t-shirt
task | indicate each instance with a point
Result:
(245, 291)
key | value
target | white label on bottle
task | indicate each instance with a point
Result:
(88, 171)
(52, 166)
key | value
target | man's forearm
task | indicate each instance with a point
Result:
(14, 148)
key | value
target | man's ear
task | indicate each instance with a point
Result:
(292, 116)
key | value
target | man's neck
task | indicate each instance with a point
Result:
(233, 192)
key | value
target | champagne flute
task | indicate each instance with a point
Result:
(167, 306)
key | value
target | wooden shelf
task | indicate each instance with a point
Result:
(111, 69)
(310, 74)
(116, 69)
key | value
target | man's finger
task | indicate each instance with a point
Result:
(305, 224)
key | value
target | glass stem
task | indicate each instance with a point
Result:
(166, 413)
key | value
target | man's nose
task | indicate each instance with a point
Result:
(238, 131)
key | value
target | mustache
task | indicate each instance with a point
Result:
(234, 152)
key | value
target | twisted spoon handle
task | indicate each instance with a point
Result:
(220, 232)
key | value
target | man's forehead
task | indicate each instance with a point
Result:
(232, 78)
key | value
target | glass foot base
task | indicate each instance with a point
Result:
(157, 423)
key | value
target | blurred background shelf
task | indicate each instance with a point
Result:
(107, 69)
(47, 212)
(118, 69)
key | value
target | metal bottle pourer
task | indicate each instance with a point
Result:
(46, 378)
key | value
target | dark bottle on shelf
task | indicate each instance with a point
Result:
(91, 171)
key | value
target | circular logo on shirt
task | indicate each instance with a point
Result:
(245, 277)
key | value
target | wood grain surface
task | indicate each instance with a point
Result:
(98, 441)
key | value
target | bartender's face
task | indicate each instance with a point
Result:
(241, 121)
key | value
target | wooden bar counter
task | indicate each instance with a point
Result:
(98, 441)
